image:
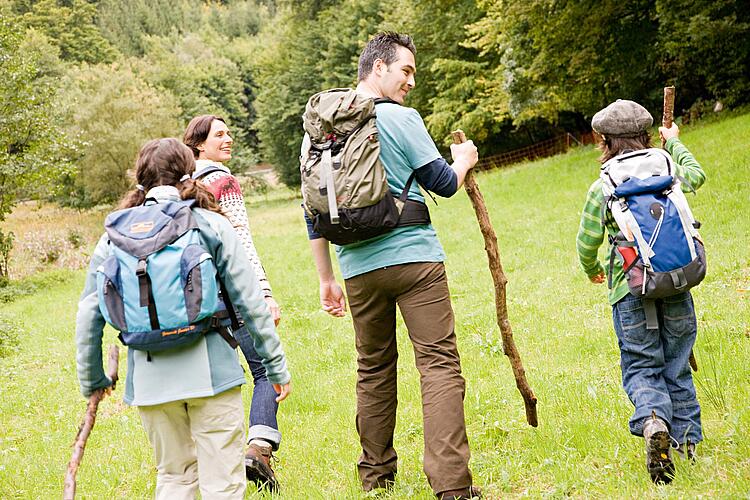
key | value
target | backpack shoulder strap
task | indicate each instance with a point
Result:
(230, 312)
(208, 169)
(381, 100)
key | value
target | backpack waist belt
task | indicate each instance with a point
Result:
(414, 213)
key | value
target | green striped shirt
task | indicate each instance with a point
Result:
(591, 232)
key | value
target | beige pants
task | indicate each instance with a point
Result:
(196, 442)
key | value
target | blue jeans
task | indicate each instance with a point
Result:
(263, 407)
(655, 370)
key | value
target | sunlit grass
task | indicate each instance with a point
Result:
(562, 325)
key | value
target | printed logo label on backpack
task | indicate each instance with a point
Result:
(658, 240)
(142, 227)
(159, 286)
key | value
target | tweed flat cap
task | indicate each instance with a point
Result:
(622, 118)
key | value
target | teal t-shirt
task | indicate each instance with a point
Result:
(405, 145)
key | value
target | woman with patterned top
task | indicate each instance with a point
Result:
(211, 142)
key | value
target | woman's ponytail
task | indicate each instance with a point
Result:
(133, 198)
(192, 189)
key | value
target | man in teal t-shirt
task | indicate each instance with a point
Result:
(403, 267)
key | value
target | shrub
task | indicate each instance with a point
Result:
(254, 184)
(76, 238)
(10, 332)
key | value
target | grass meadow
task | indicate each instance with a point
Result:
(562, 325)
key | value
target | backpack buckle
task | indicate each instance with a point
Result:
(140, 269)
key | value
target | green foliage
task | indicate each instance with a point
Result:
(114, 112)
(288, 73)
(34, 151)
(576, 56)
(707, 46)
(254, 185)
(12, 290)
(72, 27)
(200, 71)
(238, 19)
(463, 100)
(76, 238)
(127, 24)
(438, 28)
(47, 54)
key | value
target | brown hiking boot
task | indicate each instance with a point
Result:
(462, 494)
(258, 465)
(658, 460)
(687, 450)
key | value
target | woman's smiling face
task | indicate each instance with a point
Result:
(218, 144)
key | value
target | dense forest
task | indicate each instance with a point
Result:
(86, 82)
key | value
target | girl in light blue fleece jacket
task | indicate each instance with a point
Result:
(188, 397)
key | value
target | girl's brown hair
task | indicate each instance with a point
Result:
(613, 146)
(164, 162)
(197, 131)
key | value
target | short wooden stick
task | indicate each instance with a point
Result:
(89, 419)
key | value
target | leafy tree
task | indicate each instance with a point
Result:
(568, 56)
(34, 153)
(47, 55)
(196, 69)
(72, 27)
(114, 112)
(464, 99)
(128, 23)
(287, 72)
(449, 75)
(438, 30)
(237, 19)
(706, 48)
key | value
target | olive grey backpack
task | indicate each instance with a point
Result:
(344, 185)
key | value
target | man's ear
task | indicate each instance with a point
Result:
(379, 67)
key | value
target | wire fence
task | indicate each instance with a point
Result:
(549, 147)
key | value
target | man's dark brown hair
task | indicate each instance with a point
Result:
(382, 46)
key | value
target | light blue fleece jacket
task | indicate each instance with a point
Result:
(206, 368)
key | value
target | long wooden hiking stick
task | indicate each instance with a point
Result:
(499, 279)
(666, 121)
(69, 488)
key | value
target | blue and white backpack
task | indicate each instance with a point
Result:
(159, 288)
(643, 192)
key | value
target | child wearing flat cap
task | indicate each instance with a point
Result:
(655, 369)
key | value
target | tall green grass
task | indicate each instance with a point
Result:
(562, 326)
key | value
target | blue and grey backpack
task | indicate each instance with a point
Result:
(658, 238)
(159, 288)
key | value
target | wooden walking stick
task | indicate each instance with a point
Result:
(499, 279)
(69, 489)
(666, 121)
(668, 115)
